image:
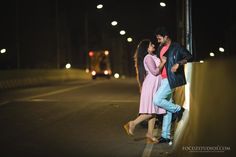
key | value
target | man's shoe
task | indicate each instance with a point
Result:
(180, 114)
(163, 140)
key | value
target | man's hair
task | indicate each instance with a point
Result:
(162, 31)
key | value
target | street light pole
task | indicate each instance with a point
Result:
(17, 37)
(57, 37)
(86, 37)
(188, 25)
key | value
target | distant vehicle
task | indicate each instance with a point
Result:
(100, 64)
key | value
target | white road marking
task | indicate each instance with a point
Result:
(35, 97)
(4, 102)
(148, 148)
(55, 92)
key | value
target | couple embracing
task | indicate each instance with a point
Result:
(158, 75)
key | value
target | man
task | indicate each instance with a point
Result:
(172, 76)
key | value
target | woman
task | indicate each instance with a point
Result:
(148, 68)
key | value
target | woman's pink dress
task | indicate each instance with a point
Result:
(150, 85)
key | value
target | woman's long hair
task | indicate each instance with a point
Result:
(139, 55)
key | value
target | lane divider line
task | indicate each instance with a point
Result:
(149, 146)
(56, 92)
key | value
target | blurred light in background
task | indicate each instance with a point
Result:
(212, 54)
(87, 70)
(129, 39)
(90, 53)
(201, 61)
(99, 6)
(122, 32)
(114, 23)
(106, 52)
(68, 66)
(106, 72)
(116, 75)
(93, 73)
(162, 4)
(221, 49)
(123, 76)
(3, 50)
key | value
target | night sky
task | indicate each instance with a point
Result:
(29, 28)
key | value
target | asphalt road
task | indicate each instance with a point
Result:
(86, 118)
(73, 119)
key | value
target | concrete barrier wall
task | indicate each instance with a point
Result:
(22, 78)
(212, 110)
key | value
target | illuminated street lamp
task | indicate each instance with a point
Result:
(99, 6)
(212, 54)
(129, 39)
(68, 66)
(221, 49)
(114, 23)
(122, 32)
(162, 4)
(3, 50)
